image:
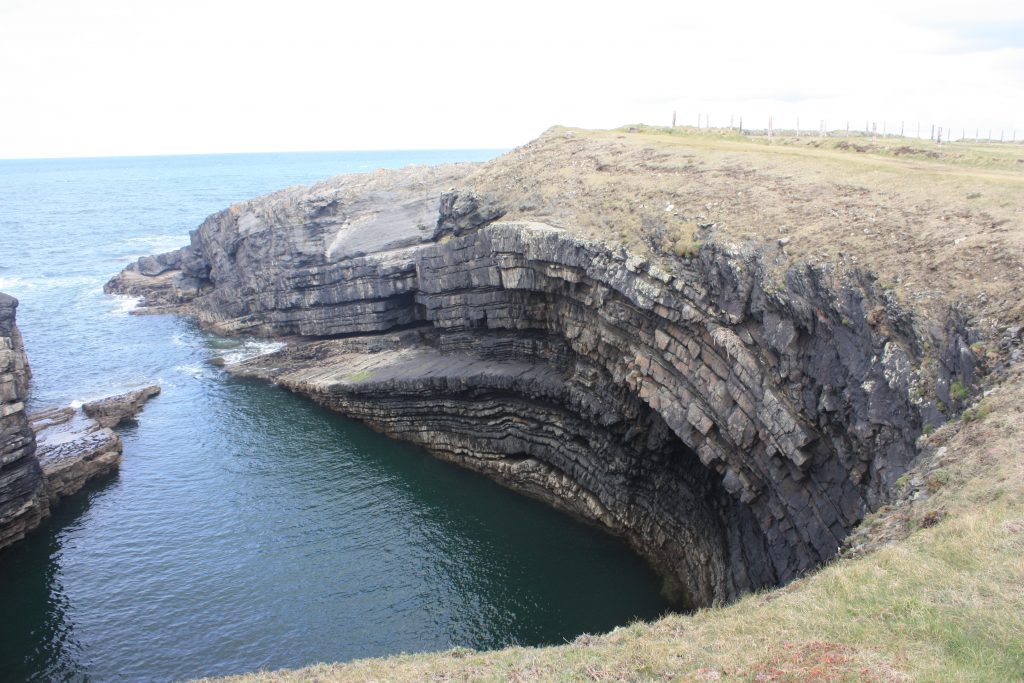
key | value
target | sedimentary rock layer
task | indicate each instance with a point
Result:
(51, 454)
(74, 446)
(23, 503)
(731, 419)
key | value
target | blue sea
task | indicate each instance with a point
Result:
(247, 528)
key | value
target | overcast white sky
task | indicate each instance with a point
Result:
(127, 77)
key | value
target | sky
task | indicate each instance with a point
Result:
(141, 77)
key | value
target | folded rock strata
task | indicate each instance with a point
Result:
(731, 422)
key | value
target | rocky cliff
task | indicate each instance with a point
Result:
(52, 454)
(731, 414)
(23, 503)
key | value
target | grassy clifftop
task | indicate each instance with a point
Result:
(935, 224)
(929, 588)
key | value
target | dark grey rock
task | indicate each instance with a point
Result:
(111, 411)
(23, 502)
(732, 429)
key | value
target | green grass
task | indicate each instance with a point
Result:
(360, 376)
(980, 155)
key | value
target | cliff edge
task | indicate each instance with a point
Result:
(727, 353)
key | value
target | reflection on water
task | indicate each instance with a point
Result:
(247, 527)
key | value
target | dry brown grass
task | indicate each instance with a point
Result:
(935, 230)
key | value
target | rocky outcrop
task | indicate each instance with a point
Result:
(72, 449)
(49, 455)
(23, 503)
(731, 418)
(111, 411)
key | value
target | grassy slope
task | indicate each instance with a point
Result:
(933, 586)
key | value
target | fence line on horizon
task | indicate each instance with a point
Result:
(936, 133)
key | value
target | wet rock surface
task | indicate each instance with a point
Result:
(732, 421)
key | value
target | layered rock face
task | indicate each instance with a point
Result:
(23, 503)
(48, 455)
(732, 422)
(74, 446)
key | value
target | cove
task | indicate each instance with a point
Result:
(247, 527)
(290, 535)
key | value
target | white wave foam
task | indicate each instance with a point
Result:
(11, 283)
(192, 370)
(252, 348)
(124, 304)
(46, 283)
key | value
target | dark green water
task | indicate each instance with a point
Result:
(248, 528)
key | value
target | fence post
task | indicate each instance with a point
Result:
(901, 128)
(770, 130)
(847, 128)
(933, 132)
(874, 132)
(741, 125)
(939, 139)
(673, 118)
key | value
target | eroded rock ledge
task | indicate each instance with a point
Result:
(49, 455)
(732, 421)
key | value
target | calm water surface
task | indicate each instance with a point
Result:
(248, 528)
